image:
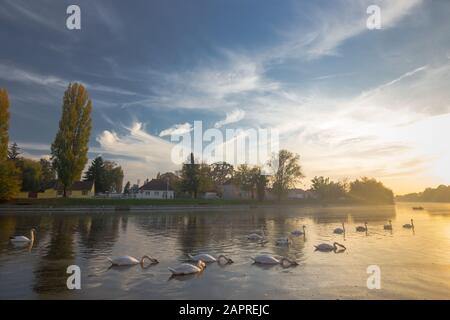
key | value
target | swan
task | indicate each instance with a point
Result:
(339, 230)
(130, 261)
(23, 239)
(283, 241)
(299, 232)
(269, 259)
(388, 226)
(409, 226)
(256, 236)
(326, 247)
(209, 258)
(187, 268)
(361, 228)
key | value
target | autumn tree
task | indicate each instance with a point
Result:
(4, 123)
(9, 174)
(286, 172)
(69, 150)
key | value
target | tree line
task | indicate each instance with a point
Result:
(68, 152)
(439, 194)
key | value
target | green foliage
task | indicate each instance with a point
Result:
(9, 180)
(4, 123)
(48, 173)
(69, 150)
(439, 194)
(126, 189)
(327, 189)
(287, 172)
(221, 172)
(107, 176)
(190, 177)
(370, 191)
(31, 174)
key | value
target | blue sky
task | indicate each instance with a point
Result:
(351, 101)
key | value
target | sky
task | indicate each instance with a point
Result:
(350, 101)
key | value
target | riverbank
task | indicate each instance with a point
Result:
(119, 205)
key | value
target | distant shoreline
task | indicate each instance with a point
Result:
(133, 205)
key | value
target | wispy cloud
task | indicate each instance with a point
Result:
(231, 117)
(177, 129)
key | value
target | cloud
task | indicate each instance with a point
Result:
(177, 129)
(231, 117)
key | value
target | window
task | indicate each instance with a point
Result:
(84, 192)
(156, 193)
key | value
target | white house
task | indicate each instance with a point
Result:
(155, 189)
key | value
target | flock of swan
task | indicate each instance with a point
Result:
(202, 259)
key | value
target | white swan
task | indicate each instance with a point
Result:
(283, 241)
(256, 236)
(130, 261)
(339, 230)
(409, 225)
(361, 228)
(326, 247)
(299, 232)
(23, 239)
(209, 258)
(388, 226)
(187, 268)
(271, 260)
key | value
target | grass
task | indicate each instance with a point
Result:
(63, 202)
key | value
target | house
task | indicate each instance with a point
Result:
(55, 189)
(155, 189)
(231, 191)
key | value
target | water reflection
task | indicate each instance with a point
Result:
(410, 258)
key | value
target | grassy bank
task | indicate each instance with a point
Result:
(71, 202)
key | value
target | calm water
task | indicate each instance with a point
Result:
(413, 264)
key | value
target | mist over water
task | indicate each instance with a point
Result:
(414, 263)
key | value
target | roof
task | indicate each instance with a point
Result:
(157, 184)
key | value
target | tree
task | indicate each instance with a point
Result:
(221, 172)
(327, 189)
(370, 191)
(107, 176)
(96, 173)
(9, 180)
(48, 173)
(9, 174)
(190, 179)
(286, 172)
(31, 174)
(126, 189)
(205, 181)
(113, 176)
(4, 123)
(69, 150)
(261, 184)
(14, 152)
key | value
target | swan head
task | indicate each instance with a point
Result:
(225, 260)
(201, 265)
(151, 259)
(285, 262)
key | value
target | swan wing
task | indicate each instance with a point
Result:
(124, 261)
(184, 268)
(204, 257)
(20, 239)
(266, 259)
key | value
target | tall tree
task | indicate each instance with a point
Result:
(4, 123)
(221, 172)
(69, 150)
(286, 172)
(9, 174)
